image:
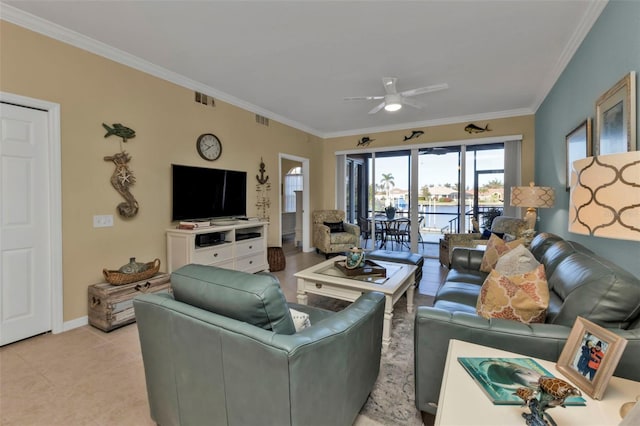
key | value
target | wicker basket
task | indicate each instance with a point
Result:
(118, 278)
(276, 259)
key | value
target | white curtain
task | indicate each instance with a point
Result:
(512, 175)
(341, 179)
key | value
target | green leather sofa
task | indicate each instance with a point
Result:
(223, 350)
(581, 283)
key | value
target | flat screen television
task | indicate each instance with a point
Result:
(203, 193)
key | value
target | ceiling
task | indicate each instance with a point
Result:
(295, 61)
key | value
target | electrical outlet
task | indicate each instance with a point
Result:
(103, 221)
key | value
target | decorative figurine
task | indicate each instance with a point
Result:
(133, 267)
(262, 189)
(355, 258)
(121, 179)
(120, 131)
(472, 128)
(365, 141)
(262, 179)
(414, 134)
(551, 392)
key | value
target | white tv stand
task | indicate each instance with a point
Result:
(241, 246)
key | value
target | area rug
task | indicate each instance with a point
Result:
(392, 400)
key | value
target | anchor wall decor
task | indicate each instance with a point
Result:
(262, 188)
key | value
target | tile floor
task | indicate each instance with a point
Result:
(87, 377)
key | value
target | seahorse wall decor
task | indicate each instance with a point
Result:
(122, 177)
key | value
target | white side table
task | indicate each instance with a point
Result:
(462, 402)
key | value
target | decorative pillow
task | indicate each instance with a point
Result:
(334, 226)
(300, 319)
(508, 237)
(486, 234)
(521, 297)
(516, 261)
(496, 247)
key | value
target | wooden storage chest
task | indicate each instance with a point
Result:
(111, 306)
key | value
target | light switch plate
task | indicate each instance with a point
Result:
(103, 221)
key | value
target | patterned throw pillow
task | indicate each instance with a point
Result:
(300, 319)
(334, 226)
(496, 247)
(516, 261)
(523, 297)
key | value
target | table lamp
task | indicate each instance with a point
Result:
(532, 197)
(605, 196)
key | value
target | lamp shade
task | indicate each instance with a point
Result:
(605, 196)
(532, 196)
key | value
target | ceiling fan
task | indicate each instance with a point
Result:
(393, 100)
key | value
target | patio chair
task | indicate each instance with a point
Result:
(365, 230)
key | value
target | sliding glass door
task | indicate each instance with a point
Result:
(485, 174)
(448, 187)
(439, 190)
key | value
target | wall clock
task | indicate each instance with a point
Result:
(209, 146)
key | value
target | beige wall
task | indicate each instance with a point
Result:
(523, 125)
(92, 90)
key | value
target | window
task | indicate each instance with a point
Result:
(292, 182)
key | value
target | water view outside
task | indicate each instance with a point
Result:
(438, 185)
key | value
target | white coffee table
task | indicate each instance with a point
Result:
(462, 402)
(327, 280)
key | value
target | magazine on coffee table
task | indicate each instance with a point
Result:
(500, 377)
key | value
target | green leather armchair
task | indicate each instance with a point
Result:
(223, 350)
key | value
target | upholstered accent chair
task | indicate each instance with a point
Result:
(331, 234)
(223, 349)
(514, 226)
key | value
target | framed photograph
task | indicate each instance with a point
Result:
(616, 118)
(578, 146)
(590, 356)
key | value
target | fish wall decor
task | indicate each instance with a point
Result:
(365, 141)
(472, 128)
(414, 134)
(120, 131)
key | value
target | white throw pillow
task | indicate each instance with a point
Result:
(300, 319)
(517, 261)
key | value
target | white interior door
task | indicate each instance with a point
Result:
(25, 277)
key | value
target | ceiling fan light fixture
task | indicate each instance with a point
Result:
(392, 103)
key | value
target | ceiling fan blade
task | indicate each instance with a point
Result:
(427, 89)
(377, 108)
(389, 84)
(363, 98)
(413, 103)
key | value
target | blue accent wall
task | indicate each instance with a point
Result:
(610, 51)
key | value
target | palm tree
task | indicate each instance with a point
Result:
(387, 182)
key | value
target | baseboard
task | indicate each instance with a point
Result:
(78, 322)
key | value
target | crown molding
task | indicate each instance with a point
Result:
(65, 35)
(431, 123)
(31, 22)
(589, 18)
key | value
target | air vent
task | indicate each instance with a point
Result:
(203, 99)
(262, 120)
